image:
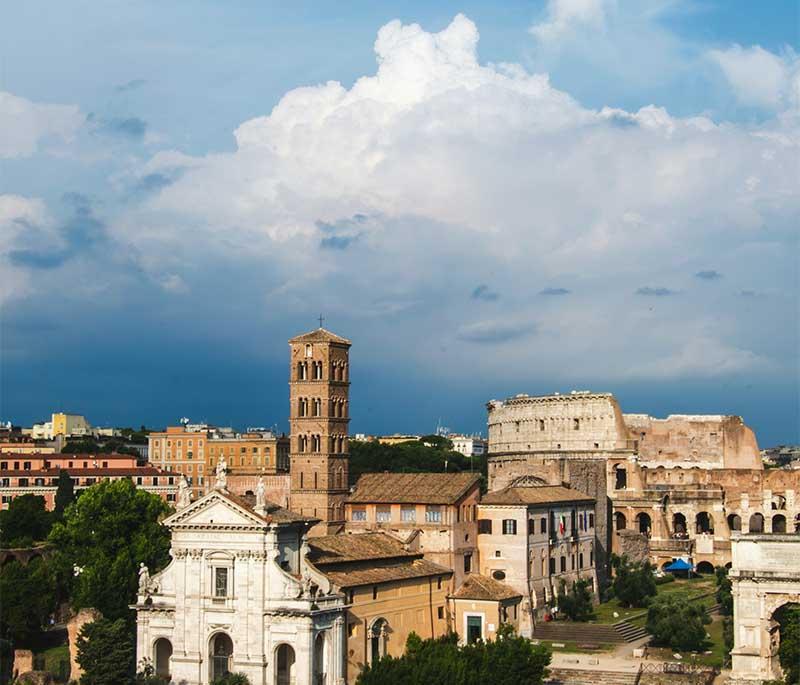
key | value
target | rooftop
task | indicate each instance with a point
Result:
(482, 588)
(413, 488)
(542, 494)
(320, 335)
(383, 572)
(331, 549)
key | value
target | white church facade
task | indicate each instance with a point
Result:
(239, 597)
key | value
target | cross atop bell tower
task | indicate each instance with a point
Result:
(319, 390)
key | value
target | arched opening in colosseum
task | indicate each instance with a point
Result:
(705, 567)
(756, 523)
(704, 522)
(620, 522)
(643, 524)
(734, 522)
(779, 523)
(679, 525)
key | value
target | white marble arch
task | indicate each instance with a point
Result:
(765, 575)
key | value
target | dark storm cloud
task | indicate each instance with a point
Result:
(342, 233)
(80, 233)
(647, 291)
(555, 291)
(337, 242)
(132, 128)
(709, 275)
(482, 292)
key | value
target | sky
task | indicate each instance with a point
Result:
(486, 198)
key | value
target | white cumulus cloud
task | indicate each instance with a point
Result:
(26, 125)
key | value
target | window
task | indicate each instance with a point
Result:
(359, 514)
(497, 553)
(552, 566)
(580, 560)
(374, 592)
(309, 351)
(220, 582)
(23, 482)
(408, 514)
(383, 513)
(509, 527)
(439, 583)
(351, 594)
(440, 613)
(351, 629)
(576, 424)
(4, 465)
(563, 564)
(543, 525)
(468, 563)
(433, 514)
(591, 520)
(26, 466)
(499, 574)
(485, 526)
(541, 424)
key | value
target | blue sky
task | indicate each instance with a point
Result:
(486, 198)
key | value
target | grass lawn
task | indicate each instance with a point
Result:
(715, 644)
(691, 588)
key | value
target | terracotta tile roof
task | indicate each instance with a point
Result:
(320, 335)
(542, 494)
(275, 513)
(413, 488)
(372, 573)
(336, 549)
(482, 588)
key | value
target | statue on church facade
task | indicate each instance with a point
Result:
(221, 480)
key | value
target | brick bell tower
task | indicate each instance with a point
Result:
(319, 388)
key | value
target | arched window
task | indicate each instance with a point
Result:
(221, 655)
(643, 523)
(162, 656)
(779, 523)
(284, 672)
(704, 523)
(734, 522)
(309, 351)
(679, 525)
(320, 659)
(378, 637)
(778, 502)
(302, 371)
(620, 522)
(756, 523)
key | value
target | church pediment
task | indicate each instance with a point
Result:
(215, 509)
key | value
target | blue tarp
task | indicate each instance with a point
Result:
(679, 565)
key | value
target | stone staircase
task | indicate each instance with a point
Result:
(589, 633)
(574, 676)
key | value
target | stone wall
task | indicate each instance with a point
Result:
(74, 626)
(633, 545)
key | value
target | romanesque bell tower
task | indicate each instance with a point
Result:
(319, 382)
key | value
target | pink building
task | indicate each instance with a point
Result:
(37, 474)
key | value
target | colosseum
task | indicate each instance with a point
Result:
(665, 488)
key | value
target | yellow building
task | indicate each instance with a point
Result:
(481, 605)
(249, 457)
(70, 425)
(390, 590)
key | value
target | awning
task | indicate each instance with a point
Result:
(679, 565)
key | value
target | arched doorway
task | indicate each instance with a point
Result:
(377, 639)
(704, 523)
(620, 522)
(734, 522)
(705, 567)
(786, 640)
(779, 523)
(320, 660)
(757, 523)
(643, 523)
(221, 655)
(162, 654)
(284, 660)
(679, 525)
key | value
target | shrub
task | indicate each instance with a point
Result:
(634, 583)
(577, 603)
(677, 623)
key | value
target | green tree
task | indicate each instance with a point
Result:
(508, 660)
(634, 583)
(724, 595)
(25, 522)
(106, 653)
(28, 598)
(106, 534)
(65, 493)
(577, 603)
(788, 617)
(677, 623)
(232, 679)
